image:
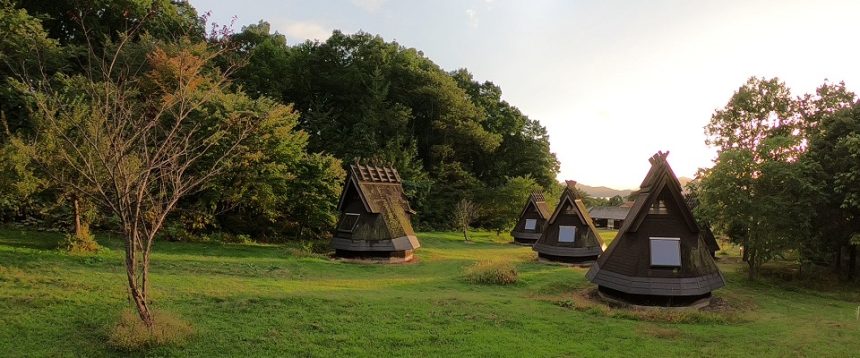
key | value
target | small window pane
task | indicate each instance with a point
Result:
(666, 251)
(566, 233)
(348, 222)
(531, 224)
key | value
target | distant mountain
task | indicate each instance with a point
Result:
(605, 192)
(602, 191)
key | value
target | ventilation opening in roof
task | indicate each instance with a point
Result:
(659, 207)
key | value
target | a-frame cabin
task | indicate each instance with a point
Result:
(569, 235)
(531, 220)
(375, 217)
(658, 257)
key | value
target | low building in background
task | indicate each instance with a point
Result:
(609, 217)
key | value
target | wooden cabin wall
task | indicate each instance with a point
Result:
(632, 254)
(581, 238)
(530, 213)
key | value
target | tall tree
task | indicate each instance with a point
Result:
(833, 129)
(135, 143)
(501, 205)
(757, 193)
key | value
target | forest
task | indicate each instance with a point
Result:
(326, 104)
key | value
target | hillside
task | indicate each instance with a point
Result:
(602, 191)
(271, 300)
(606, 192)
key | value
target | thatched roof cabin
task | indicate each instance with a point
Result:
(375, 216)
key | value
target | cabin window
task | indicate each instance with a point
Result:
(666, 251)
(659, 207)
(531, 224)
(566, 233)
(348, 222)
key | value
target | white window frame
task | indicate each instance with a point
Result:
(572, 236)
(533, 223)
(358, 216)
(676, 240)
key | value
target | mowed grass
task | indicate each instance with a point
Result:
(257, 300)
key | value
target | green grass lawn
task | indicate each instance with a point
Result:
(258, 300)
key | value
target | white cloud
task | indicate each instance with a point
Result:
(473, 17)
(369, 5)
(303, 30)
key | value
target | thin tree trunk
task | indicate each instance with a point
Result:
(753, 265)
(465, 234)
(753, 270)
(852, 262)
(78, 227)
(838, 261)
(137, 291)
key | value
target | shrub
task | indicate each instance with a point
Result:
(312, 249)
(130, 334)
(492, 272)
(82, 244)
(228, 238)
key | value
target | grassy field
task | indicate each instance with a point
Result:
(260, 300)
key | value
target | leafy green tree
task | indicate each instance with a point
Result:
(25, 50)
(757, 193)
(96, 22)
(501, 205)
(616, 200)
(833, 127)
(524, 150)
(314, 194)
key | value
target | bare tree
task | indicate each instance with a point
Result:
(464, 214)
(135, 137)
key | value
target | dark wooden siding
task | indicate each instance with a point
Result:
(632, 255)
(568, 217)
(530, 213)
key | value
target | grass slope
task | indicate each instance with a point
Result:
(257, 300)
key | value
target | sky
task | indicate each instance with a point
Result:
(613, 81)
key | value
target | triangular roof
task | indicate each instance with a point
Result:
(537, 200)
(570, 196)
(660, 178)
(705, 229)
(375, 185)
